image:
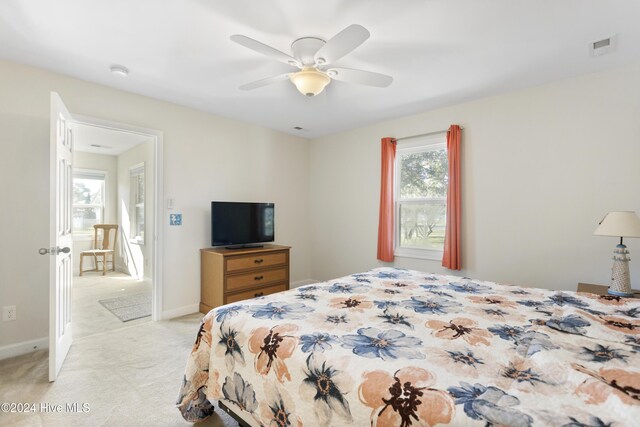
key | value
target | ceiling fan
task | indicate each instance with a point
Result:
(313, 56)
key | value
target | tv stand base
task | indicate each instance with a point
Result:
(243, 247)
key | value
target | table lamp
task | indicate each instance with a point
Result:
(620, 224)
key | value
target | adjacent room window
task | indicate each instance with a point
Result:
(88, 200)
(137, 203)
(422, 176)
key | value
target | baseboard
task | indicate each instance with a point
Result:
(302, 283)
(122, 268)
(24, 347)
(119, 268)
(180, 311)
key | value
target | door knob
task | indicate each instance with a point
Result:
(54, 250)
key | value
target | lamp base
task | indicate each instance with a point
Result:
(620, 281)
(620, 294)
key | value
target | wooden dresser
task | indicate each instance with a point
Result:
(232, 275)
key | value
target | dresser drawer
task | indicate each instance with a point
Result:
(228, 299)
(232, 275)
(257, 278)
(255, 261)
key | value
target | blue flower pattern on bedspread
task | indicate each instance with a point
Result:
(227, 312)
(390, 344)
(433, 305)
(280, 310)
(490, 404)
(399, 347)
(317, 342)
(345, 288)
(469, 288)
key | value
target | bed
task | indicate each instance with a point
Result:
(395, 347)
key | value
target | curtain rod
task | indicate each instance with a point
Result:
(425, 134)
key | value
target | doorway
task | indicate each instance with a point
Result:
(136, 186)
(129, 161)
(112, 221)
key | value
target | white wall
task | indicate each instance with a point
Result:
(207, 157)
(134, 258)
(104, 163)
(540, 168)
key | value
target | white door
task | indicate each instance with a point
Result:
(60, 239)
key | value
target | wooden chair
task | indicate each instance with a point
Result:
(102, 248)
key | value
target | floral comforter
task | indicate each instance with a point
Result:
(393, 347)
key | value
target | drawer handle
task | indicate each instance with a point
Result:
(258, 261)
(258, 278)
(259, 294)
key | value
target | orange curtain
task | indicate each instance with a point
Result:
(451, 256)
(385, 223)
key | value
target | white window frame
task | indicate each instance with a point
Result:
(135, 171)
(90, 174)
(415, 145)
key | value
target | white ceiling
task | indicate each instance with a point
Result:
(99, 140)
(439, 52)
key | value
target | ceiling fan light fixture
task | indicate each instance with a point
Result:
(310, 81)
(311, 55)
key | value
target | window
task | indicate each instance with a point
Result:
(88, 200)
(137, 203)
(422, 177)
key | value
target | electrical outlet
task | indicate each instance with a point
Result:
(9, 313)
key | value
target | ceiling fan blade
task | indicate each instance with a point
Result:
(262, 48)
(361, 77)
(265, 82)
(341, 44)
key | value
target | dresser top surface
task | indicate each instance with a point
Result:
(246, 251)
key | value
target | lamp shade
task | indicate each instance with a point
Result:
(619, 224)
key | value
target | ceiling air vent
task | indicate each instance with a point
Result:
(602, 47)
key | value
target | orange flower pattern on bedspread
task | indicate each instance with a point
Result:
(404, 397)
(272, 347)
(396, 347)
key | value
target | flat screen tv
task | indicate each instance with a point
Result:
(241, 224)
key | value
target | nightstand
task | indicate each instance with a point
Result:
(600, 289)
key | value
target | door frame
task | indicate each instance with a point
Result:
(157, 138)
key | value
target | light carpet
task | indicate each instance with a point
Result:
(88, 316)
(128, 377)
